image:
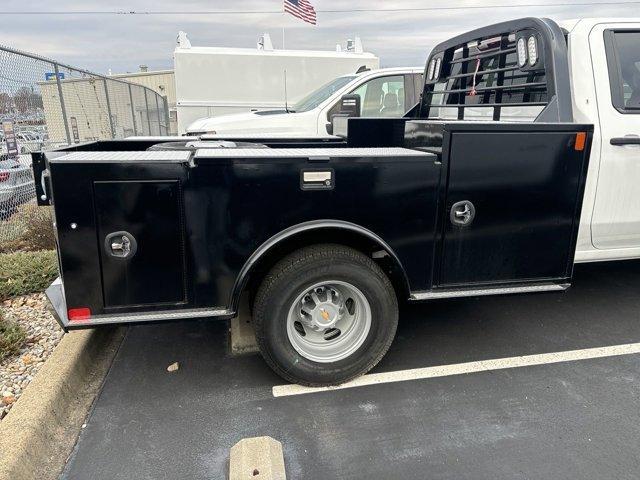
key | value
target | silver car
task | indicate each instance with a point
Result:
(16, 184)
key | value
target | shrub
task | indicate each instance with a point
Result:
(12, 336)
(38, 232)
(29, 229)
(26, 272)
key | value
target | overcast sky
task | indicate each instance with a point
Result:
(101, 42)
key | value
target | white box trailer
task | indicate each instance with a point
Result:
(213, 81)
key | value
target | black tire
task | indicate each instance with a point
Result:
(307, 267)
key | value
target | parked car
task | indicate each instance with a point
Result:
(387, 92)
(327, 235)
(16, 185)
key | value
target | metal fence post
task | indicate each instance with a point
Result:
(158, 115)
(133, 112)
(106, 94)
(146, 102)
(166, 115)
(64, 110)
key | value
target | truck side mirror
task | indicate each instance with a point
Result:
(349, 106)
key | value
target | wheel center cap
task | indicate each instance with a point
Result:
(326, 315)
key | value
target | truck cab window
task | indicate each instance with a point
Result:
(318, 96)
(623, 59)
(382, 97)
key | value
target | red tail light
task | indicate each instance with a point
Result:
(79, 314)
(4, 176)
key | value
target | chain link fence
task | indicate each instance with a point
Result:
(44, 105)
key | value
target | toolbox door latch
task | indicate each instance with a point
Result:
(120, 245)
(462, 213)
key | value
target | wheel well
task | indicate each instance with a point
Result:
(368, 246)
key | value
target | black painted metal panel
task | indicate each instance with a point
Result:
(376, 132)
(231, 207)
(525, 187)
(80, 247)
(151, 213)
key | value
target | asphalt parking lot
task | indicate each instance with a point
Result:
(578, 419)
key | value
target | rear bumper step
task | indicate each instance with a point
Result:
(55, 294)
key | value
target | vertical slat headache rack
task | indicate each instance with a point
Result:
(516, 64)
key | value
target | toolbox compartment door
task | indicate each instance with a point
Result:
(525, 188)
(149, 214)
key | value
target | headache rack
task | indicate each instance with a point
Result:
(482, 74)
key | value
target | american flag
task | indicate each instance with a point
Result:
(301, 9)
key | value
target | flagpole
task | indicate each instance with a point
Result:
(284, 19)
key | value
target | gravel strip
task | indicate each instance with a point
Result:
(43, 334)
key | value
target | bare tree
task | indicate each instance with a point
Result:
(27, 99)
(5, 103)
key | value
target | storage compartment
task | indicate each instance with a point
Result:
(509, 202)
(520, 193)
(140, 240)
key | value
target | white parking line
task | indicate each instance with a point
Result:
(469, 367)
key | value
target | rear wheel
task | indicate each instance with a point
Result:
(325, 314)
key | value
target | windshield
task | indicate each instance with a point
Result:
(318, 96)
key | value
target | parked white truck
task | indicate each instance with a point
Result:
(214, 81)
(386, 92)
(604, 63)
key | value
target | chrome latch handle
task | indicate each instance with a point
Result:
(43, 183)
(462, 213)
(120, 245)
(122, 248)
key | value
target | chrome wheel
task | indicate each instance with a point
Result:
(328, 321)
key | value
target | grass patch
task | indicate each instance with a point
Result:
(12, 337)
(26, 272)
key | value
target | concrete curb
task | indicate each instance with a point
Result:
(259, 458)
(41, 429)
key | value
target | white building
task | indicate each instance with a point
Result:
(160, 81)
(87, 109)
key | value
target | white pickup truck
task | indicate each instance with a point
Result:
(604, 65)
(387, 92)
